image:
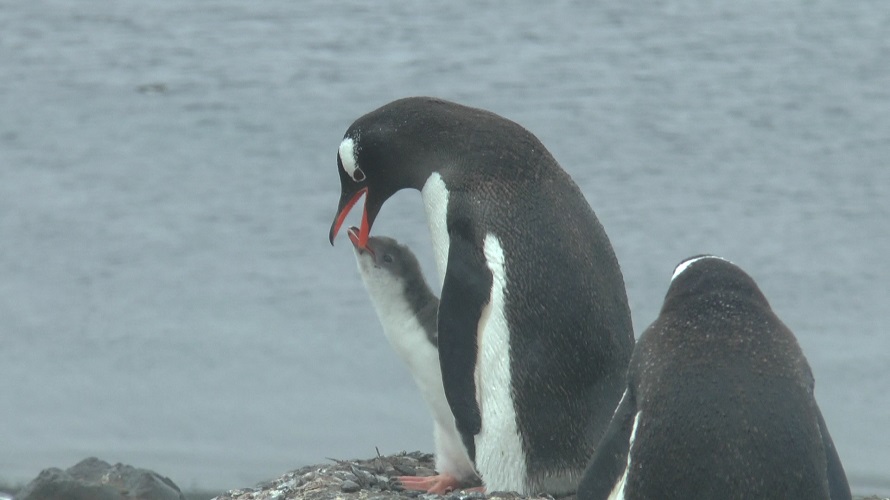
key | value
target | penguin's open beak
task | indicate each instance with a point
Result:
(354, 236)
(347, 201)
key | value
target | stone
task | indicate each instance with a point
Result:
(94, 479)
(349, 486)
(346, 476)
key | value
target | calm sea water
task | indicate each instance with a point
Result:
(168, 297)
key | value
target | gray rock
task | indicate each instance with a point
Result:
(365, 478)
(346, 476)
(94, 479)
(349, 486)
(289, 484)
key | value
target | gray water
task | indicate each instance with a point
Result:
(168, 296)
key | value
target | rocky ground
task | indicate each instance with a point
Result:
(371, 479)
(361, 479)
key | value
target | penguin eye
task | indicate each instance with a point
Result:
(387, 258)
(358, 175)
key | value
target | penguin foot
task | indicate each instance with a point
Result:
(443, 483)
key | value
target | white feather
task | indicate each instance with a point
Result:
(618, 491)
(686, 263)
(348, 157)
(500, 458)
(407, 337)
(435, 201)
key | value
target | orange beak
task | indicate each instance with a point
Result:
(353, 233)
(341, 217)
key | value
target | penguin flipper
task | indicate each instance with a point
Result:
(838, 486)
(609, 461)
(465, 293)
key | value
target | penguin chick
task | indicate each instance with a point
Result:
(407, 310)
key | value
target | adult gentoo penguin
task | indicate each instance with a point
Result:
(407, 310)
(534, 327)
(719, 403)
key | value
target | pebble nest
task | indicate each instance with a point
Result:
(371, 479)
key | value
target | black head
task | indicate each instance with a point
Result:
(384, 151)
(709, 275)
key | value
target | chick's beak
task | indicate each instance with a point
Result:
(354, 236)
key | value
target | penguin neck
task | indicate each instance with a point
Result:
(435, 202)
(401, 320)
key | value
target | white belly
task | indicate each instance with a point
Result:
(500, 459)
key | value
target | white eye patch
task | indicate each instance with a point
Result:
(686, 263)
(349, 161)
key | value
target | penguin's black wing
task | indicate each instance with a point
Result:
(610, 458)
(465, 293)
(838, 486)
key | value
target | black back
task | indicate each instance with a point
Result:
(726, 401)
